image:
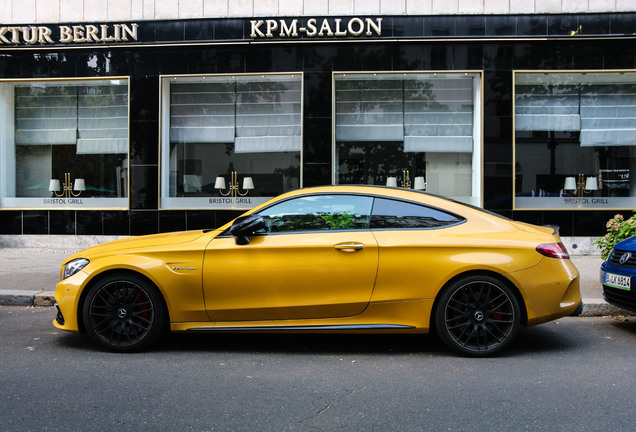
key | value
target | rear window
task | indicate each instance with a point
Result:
(388, 213)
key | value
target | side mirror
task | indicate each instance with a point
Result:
(245, 226)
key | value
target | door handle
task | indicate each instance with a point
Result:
(349, 247)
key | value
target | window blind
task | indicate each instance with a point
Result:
(439, 115)
(103, 120)
(268, 116)
(369, 110)
(547, 108)
(428, 113)
(608, 115)
(601, 106)
(257, 114)
(45, 115)
(92, 117)
(202, 112)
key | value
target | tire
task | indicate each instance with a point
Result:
(477, 316)
(124, 313)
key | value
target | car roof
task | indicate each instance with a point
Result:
(422, 197)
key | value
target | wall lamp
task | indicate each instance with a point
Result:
(219, 184)
(581, 185)
(419, 182)
(66, 189)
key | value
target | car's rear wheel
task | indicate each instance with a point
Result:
(477, 315)
(124, 313)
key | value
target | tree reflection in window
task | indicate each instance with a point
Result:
(319, 213)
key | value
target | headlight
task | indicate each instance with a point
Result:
(74, 266)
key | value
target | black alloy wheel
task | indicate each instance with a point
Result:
(477, 316)
(123, 313)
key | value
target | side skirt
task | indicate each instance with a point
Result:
(317, 328)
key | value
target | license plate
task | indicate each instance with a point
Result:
(618, 281)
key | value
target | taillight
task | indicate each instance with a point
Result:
(553, 250)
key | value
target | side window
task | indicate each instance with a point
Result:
(389, 213)
(319, 213)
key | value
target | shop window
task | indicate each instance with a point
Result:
(64, 144)
(230, 142)
(575, 138)
(417, 130)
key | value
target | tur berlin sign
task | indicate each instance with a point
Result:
(68, 34)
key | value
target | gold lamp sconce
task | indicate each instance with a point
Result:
(68, 189)
(581, 185)
(234, 190)
(419, 182)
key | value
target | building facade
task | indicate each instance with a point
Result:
(135, 117)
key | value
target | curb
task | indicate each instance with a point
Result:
(26, 298)
(599, 307)
(591, 307)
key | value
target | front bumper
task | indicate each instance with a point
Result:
(67, 299)
(622, 298)
(59, 318)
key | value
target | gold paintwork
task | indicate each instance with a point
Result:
(334, 278)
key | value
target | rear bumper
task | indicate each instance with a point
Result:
(551, 290)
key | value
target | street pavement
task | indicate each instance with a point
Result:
(29, 276)
(571, 374)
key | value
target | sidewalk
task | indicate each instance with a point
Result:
(29, 276)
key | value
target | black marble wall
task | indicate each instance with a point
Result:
(501, 45)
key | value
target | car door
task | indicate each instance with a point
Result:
(316, 259)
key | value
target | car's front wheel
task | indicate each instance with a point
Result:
(123, 313)
(477, 315)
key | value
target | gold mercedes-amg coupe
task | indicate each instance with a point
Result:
(327, 259)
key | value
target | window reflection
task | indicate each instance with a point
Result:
(373, 162)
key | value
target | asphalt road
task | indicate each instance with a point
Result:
(575, 374)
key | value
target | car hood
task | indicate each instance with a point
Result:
(140, 242)
(627, 244)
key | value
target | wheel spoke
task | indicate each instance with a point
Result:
(462, 324)
(140, 318)
(107, 320)
(480, 295)
(131, 293)
(460, 303)
(461, 311)
(470, 335)
(137, 326)
(499, 337)
(105, 297)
